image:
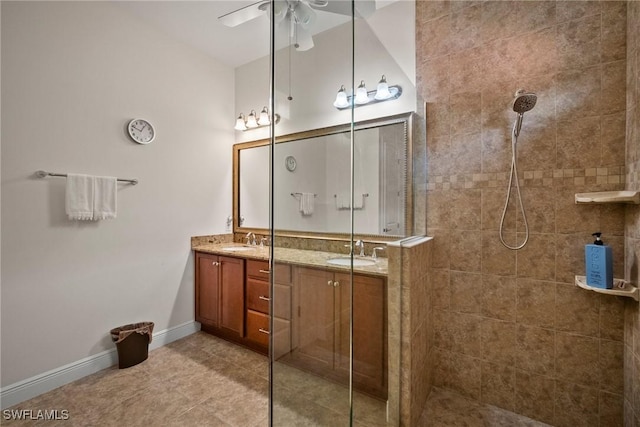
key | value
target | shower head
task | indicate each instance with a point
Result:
(524, 101)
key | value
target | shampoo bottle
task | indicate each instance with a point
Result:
(598, 264)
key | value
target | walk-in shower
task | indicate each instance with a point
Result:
(522, 103)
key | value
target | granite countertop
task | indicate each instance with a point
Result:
(291, 256)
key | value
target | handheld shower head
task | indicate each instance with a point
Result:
(522, 103)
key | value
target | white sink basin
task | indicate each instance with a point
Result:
(237, 248)
(357, 262)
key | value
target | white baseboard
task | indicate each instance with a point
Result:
(42, 383)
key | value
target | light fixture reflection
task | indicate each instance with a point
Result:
(341, 99)
(361, 94)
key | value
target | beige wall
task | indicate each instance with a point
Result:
(511, 329)
(632, 226)
(73, 74)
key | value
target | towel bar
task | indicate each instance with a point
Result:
(44, 174)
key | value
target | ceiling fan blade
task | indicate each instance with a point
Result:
(303, 40)
(364, 8)
(242, 15)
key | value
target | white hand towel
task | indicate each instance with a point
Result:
(105, 197)
(79, 197)
(306, 203)
(343, 201)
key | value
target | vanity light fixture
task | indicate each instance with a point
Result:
(254, 120)
(383, 92)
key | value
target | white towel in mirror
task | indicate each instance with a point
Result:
(306, 203)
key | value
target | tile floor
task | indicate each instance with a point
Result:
(204, 381)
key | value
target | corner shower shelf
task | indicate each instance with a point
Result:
(620, 288)
(632, 197)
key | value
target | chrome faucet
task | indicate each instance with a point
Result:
(374, 255)
(360, 244)
(251, 238)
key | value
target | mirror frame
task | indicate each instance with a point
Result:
(406, 118)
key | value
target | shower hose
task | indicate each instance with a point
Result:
(514, 172)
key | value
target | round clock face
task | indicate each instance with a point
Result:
(141, 131)
(290, 163)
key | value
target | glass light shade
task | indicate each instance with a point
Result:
(251, 120)
(341, 99)
(263, 120)
(382, 92)
(240, 125)
(361, 94)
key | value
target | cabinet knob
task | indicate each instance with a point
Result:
(263, 298)
(329, 283)
(264, 331)
(215, 263)
(336, 284)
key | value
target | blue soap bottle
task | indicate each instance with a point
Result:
(598, 262)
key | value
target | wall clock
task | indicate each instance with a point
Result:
(290, 163)
(141, 131)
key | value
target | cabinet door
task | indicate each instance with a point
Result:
(369, 331)
(207, 289)
(231, 305)
(315, 318)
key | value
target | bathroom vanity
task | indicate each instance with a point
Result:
(311, 309)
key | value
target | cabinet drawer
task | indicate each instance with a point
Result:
(260, 270)
(258, 327)
(258, 295)
(258, 298)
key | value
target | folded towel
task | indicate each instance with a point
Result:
(358, 201)
(79, 197)
(90, 198)
(306, 203)
(105, 203)
(343, 201)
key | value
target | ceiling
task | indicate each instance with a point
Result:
(195, 23)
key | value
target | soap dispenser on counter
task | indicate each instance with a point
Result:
(598, 262)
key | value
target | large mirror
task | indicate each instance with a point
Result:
(313, 170)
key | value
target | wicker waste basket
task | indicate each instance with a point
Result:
(132, 342)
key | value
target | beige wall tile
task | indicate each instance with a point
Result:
(496, 259)
(575, 405)
(611, 409)
(570, 9)
(465, 334)
(465, 208)
(577, 310)
(498, 340)
(537, 259)
(612, 318)
(465, 376)
(611, 366)
(466, 292)
(465, 27)
(577, 359)
(498, 297)
(614, 85)
(536, 301)
(498, 385)
(579, 42)
(535, 396)
(466, 250)
(535, 350)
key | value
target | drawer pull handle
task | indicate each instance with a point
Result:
(263, 298)
(265, 271)
(264, 331)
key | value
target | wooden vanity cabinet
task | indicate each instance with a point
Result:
(220, 294)
(322, 327)
(258, 299)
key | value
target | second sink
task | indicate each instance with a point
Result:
(357, 262)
